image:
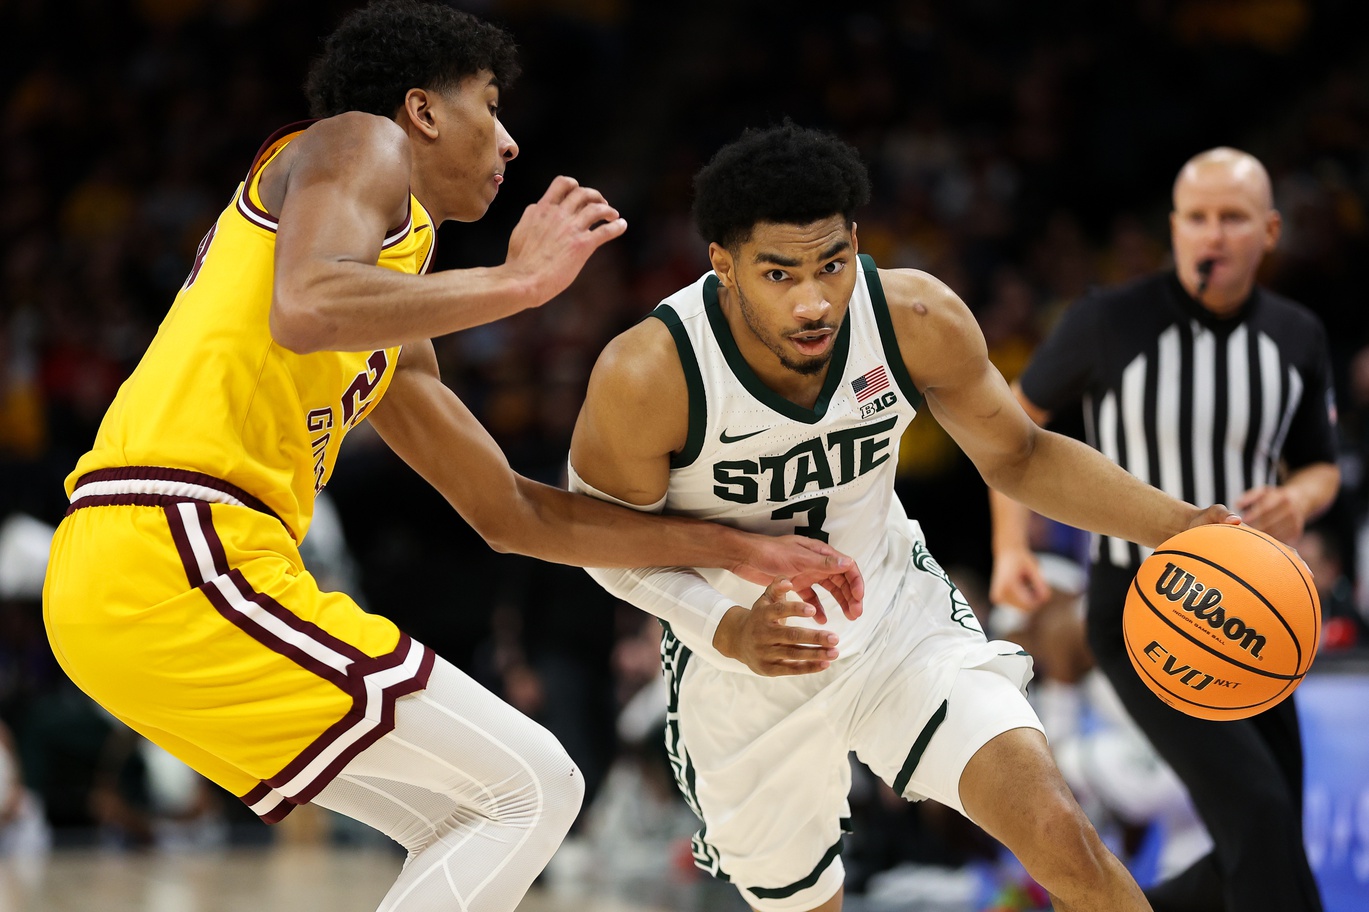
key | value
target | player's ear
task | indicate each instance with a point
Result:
(721, 258)
(855, 241)
(418, 113)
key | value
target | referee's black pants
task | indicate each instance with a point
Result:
(1244, 776)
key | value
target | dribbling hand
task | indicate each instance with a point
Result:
(760, 639)
(558, 233)
(1217, 513)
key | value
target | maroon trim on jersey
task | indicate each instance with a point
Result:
(272, 642)
(160, 473)
(355, 715)
(245, 198)
(181, 538)
(298, 126)
(351, 681)
(276, 814)
(392, 236)
(432, 250)
(127, 500)
(396, 235)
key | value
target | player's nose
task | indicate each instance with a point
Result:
(812, 307)
(508, 149)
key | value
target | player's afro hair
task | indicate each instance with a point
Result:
(388, 47)
(787, 175)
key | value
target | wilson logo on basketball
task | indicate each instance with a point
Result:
(1205, 603)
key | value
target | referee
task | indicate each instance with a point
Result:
(1213, 390)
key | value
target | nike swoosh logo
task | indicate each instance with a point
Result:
(726, 439)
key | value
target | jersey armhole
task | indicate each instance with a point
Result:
(694, 385)
(887, 337)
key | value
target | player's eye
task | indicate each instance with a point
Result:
(834, 267)
(777, 275)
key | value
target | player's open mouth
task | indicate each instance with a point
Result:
(812, 343)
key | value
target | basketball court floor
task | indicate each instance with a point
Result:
(325, 879)
(280, 879)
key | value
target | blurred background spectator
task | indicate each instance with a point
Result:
(1016, 151)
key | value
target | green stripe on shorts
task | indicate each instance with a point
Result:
(905, 775)
(805, 883)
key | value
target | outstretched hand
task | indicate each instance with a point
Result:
(557, 234)
(1274, 511)
(760, 638)
(1017, 580)
(805, 563)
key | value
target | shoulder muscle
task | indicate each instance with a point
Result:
(937, 334)
(638, 375)
(347, 175)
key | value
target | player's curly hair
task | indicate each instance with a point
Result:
(785, 174)
(388, 47)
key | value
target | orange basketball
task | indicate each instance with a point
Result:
(1222, 622)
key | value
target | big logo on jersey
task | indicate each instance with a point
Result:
(818, 463)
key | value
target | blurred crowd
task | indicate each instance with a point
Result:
(1020, 152)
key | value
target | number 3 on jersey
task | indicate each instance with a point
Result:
(816, 510)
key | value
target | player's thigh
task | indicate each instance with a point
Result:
(252, 666)
(211, 766)
(764, 762)
(922, 752)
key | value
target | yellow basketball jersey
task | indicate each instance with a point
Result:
(214, 394)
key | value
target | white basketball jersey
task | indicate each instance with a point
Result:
(757, 461)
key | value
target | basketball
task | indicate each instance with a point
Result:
(1222, 622)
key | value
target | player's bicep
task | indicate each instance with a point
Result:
(634, 416)
(982, 415)
(347, 186)
(948, 360)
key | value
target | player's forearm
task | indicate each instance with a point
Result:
(567, 528)
(1073, 483)
(356, 307)
(1010, 522)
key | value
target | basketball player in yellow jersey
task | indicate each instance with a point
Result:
(176, 596)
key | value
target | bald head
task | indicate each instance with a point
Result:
(1239, 170)
(1223, 224)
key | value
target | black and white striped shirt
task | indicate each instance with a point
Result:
(1202, 407)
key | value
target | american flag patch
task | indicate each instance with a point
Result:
(870, 383)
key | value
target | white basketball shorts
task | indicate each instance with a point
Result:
(764, 761)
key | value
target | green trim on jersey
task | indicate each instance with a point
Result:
(887, 336)
(905, 775)
(742, 371)
(806, 882)
(674, 658)
(694, 385)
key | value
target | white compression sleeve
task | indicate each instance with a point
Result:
(677, 595)
(479, 794)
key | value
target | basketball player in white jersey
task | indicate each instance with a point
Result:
(771, 394)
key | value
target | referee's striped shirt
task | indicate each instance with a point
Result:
(1202, 407)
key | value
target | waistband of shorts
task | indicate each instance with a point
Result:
(157, 486)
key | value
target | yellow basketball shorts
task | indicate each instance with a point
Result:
(180, 604)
